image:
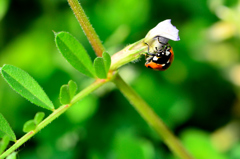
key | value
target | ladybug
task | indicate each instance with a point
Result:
(161, 59)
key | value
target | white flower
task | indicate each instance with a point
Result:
(163, 32)
(164, 29)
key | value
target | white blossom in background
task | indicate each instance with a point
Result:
(164, 31)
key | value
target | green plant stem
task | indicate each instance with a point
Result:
(128, 54)
(151, 118)
(56, 113)
(87, 27)
(88, 90)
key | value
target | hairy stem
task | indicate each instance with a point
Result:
(56, 113)
(151, 118)
(87, 27)
(130, 53)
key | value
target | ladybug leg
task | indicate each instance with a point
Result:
(152, 54)
(149, 58)
(157, 49)
(148, 53)
(168, 46)
(146, 56)
(148, 46)
(147, 62)
(165, 48)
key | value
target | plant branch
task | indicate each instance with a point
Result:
(56, 113)
(151, 118)
(87, 27)
(130, 53)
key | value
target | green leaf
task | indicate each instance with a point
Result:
(75, 53)
(29, 125)
(39, 117)
(4, 143)
(99, 67)
(72, 88)
(26, 86)
(64, 95)
(12, 156)
(107, 60)
(2, 134)
(102, 65)
(67, 92)
(6, 129)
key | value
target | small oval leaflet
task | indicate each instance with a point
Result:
(107, 60)
(39, 117)
(29, 125)
(72, 88)
(100, 68)
(102, 65)
(64, 94)
(67, 92)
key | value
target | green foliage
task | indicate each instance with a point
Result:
(75, 53)
(12, 156)
(5, 129)
(107, 60)
(200, 89)
(29, 126)
(72, 86)
(26, 86)
(67, 92)
(102, 65)
(64, 95)
(32, 124)
(100, 68)
(4, 143)
(38, 117)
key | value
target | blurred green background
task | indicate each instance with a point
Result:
(198, 97)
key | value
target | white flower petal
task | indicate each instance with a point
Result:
(164, 29)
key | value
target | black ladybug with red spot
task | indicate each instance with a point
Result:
(161, 59)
